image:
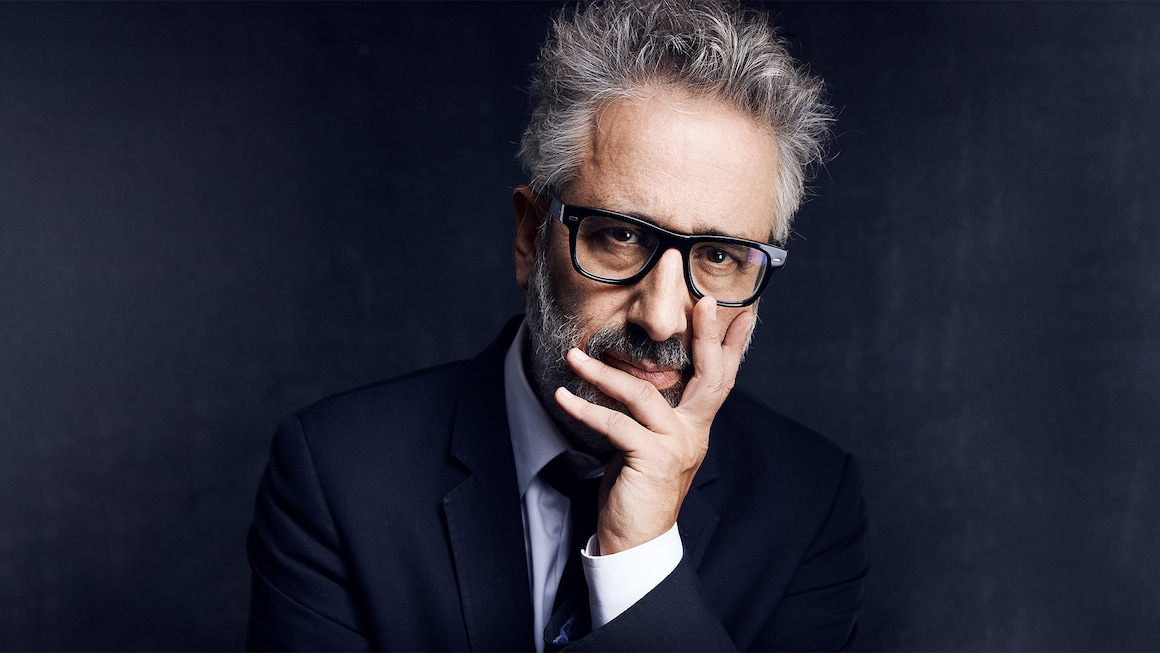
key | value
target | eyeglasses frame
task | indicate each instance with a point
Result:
(571, 216)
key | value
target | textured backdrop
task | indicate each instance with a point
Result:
(213, 214)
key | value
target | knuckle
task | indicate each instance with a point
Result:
(642, 391)
(721, 386)
(617, 421)
(585, 409)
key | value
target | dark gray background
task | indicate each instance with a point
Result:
(211, 215)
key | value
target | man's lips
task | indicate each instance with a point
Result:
(662, 378)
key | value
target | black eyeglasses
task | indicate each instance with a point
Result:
(621, 249)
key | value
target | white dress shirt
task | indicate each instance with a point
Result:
(615, 582)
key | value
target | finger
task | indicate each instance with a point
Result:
(712, 380)
(707, 333)
(621, 430)
(737, 340)
(643, 400)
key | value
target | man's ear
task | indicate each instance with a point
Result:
(530, 209)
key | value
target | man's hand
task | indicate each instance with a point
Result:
(662, 448)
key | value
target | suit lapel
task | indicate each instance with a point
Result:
(484, 519)
(698, 518)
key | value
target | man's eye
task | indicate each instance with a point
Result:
(719, 257)
(621, 235)
(718, 260)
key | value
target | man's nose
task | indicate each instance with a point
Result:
(662, 304)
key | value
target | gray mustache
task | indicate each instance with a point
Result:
(631, 343)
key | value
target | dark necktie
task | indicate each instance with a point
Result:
(571, 618)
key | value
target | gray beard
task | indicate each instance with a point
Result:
(554, 329)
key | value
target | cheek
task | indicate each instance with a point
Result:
(596, 305)
(726, 316)
(562, 279)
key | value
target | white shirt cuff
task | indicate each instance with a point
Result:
(617, 581)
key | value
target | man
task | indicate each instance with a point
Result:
(445, 510)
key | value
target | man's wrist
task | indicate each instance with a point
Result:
(619, 580)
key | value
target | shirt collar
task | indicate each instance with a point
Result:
(535, 437)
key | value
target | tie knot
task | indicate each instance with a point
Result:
(566, 474)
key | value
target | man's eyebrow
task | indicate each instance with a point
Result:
(709, 231)
(697, 231)
(717, 233)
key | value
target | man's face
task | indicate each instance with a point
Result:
(689, 165)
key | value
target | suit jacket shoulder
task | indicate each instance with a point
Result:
(382, 429)
(388, 518)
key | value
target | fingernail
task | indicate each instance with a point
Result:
(580, 355)
(564, 392)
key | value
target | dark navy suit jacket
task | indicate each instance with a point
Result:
(388, 518)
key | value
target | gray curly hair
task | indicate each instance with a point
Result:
(599, 52)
